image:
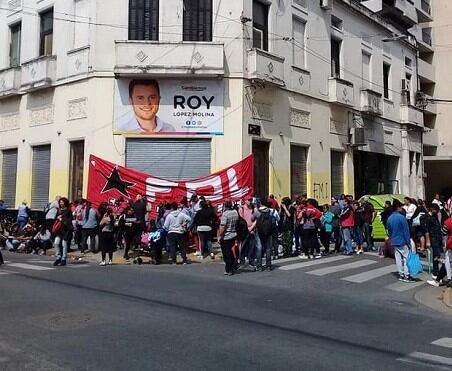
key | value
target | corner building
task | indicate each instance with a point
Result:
(322, 92)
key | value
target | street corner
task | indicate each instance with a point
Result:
(436, 298)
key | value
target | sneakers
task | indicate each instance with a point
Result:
(303, 257)
(407, 279)
(63, 263)
(433, 283)
(102, 263)
(360, 251)
(212, 256)
(57, 262)
(110, 262)
(318, 256)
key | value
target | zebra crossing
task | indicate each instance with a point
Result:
(442, 361)
(36, 265)
(350, 269)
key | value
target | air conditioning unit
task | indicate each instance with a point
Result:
(358, 137)
(326, 4)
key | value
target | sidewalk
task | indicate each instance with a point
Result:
(436, 298)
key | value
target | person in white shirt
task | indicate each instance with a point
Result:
(437, 201)
(410, 208)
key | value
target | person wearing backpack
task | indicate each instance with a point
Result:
(227, 236)
(90, 224)
(264, 229)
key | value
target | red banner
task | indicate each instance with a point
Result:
(107, 181)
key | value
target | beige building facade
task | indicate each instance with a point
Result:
(313, 88)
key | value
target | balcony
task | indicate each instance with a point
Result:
(169, 58)
(341, 92)
(38, 73)
(9, 81)
(78, 61)
(431, 138)
(402, 12)
(371, 102)
(426, 71)
(430, 108)
(266, 67)
(411, 115)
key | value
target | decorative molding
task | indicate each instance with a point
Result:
(300, 119)
(77, 109)
(9, 121)
(338, 127)
(41, 116)
(262, 111)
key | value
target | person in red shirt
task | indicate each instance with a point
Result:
(310, 216)
(273, 203)
(347, 222)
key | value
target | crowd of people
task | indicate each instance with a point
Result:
(250, 232)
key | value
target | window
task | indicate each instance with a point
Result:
(408, 62)
(366, 70)
(143, 19)
(336, 22)
(197, 20)
(81, 23)
(260, 25)
(14, 47)
(335, 58)
(406, 88)
(298, 45)
(46, 39)
(386, 77)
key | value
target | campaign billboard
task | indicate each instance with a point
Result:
(150, 106)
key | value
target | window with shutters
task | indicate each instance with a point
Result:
(260, 25)
(337, 173)
(298, 169)
(143, 19)
(386, 80)
(298, 45)
(336, 58)
(14, 49)
(197, 23)
(366, 70)
(46, 36)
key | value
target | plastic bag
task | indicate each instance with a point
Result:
(414, 264)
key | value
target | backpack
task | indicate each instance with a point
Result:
(57, 227)
(264, 224)
(308, 221)
(242, 229)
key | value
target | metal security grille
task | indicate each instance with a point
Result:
(40, 174)
(143, 19)
(298, 169)
(174, 159)
(337, 173)
(9, 175)
(197, 22)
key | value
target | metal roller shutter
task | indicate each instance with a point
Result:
(9, 175)
(298, 169)
(173, 159)
(40, 177)
(337, 173)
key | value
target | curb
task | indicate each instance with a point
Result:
(434, 298)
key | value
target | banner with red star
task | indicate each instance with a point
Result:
(107, 181)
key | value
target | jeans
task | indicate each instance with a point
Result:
(325, 237)
(367, 232)
(91, 233)
(264, 244)
(176, 241)
(298, 235)
(401, 255)
(228, 257)
(447, 263)
(61, 248)
(205, 242)
(358, 236)
(437, 250)
(247, 248)
(275, 235)
(347, 236)
(21, 222)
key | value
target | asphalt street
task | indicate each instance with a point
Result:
(335, 313)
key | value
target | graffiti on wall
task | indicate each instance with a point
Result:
(321, 191)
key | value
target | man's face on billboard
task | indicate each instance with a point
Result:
(145, 100)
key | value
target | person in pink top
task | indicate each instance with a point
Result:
(247, 246)
(347, 222)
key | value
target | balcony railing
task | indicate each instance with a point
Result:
(38, 73)
(426, 7)
(9, 81)
(341, 92)
(265, 66)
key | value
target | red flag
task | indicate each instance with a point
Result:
(107, 181)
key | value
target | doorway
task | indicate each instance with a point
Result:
(76, 167)
(261, 152)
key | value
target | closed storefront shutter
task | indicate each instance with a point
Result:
(9, 175)
(337, 173)
(40, 177)
(173, 159)
(298, 169)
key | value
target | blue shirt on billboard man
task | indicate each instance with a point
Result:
(144, 96)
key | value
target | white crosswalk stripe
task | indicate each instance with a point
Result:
(443, 342)
(428, 358)
(405, 286)
(29, 266)
(311, 263)
(343, 267)
(372, 274)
